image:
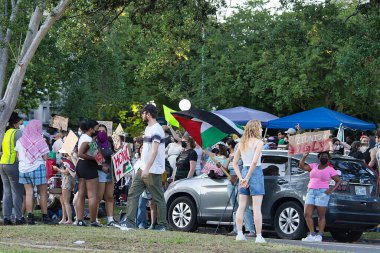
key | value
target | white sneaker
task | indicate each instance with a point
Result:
(241, 238)
(318, 238)
(309, 238)
(260, 239)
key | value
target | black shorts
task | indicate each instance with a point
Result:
(87, 169)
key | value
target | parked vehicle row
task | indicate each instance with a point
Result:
(353, 208)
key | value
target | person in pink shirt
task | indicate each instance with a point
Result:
(318, 192)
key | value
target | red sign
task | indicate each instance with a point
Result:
(309, 142)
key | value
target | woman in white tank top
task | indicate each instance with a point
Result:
(251, 177)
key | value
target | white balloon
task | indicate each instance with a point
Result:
(184, 105)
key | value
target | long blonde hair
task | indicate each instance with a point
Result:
(251, 130)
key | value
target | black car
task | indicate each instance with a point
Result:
(353, 208)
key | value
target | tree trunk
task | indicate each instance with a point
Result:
(15, 81)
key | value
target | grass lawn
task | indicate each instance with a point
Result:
(45, 238)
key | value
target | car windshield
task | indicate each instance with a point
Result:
(353, 171)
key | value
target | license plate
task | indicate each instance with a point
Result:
(360, 190)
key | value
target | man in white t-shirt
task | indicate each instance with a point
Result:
(149, 176)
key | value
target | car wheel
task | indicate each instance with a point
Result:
(289, 222)
(183, 214)
(344, 235)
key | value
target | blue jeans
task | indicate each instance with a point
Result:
(248, 216)
(141, 212)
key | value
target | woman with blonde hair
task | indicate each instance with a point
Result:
(251, 178)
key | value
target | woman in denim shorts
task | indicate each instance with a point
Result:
(318, 192)
(251, 177)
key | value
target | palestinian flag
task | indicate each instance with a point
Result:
(207, 128)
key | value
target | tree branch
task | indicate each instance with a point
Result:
(34, 24)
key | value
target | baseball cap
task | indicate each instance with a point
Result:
(291, 131)
(149, 108)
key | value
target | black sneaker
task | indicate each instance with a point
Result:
(95, 224)
(126, 224)
(112, 224)
(47, 220)
(31, 219)
(20, 221)
(81, 223)
(7, 222)
(160, 228)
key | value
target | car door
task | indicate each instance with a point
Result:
(214, 200)
(276, 178)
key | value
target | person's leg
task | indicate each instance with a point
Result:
(153, 213)
(257, 215)
(42, 191)
(141, 213)
(79, 203)
(321, 210)
(7, 193)
(92, 194)
(243, 199)
(29, 192)
(63, 220)
(248, 220)
(154, 186)
(17, 189)
(134, 193)
(66, 195)
(108, 197)
(308, 213)
(101, 190)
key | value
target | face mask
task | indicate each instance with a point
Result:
(337, 147)
(323, 160)
(184, 144)
(21, 127)
(95, 134)
(79, 133)
(137, 155)
(363, 149)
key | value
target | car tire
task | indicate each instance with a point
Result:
(289, 222)
(182, 214)
(344, 235)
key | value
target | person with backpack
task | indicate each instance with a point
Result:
(13, 190)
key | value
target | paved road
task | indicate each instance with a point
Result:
(362, 246)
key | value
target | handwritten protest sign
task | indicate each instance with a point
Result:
(70, 142)
(122, 162)
(108, 124)
(309, 142)
(59, 122)
(116, 137)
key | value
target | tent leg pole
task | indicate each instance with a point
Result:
(265, 134)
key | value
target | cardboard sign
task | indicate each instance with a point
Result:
(309, 142)
(122, 163)
(108, 124)
(70, 142)
(116, 137)
(59, 122)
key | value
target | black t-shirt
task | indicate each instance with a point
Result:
(367, 156)
(183, 163)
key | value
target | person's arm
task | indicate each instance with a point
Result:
(145, 170)
(82, 151)
(373, 157)
(193, 164)
(208, 153)
(45, 157)
(236, 164)
(258, 150)
(303, 165)
(174, 134)
(338, 181)
(345, 145)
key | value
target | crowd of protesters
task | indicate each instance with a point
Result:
(160, 156)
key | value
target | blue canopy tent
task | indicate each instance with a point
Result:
(241, 115)
(320, 118)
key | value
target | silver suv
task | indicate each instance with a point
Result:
(352, 209)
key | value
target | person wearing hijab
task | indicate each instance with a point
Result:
(13, 190)
(32, 152)
(106, 185)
